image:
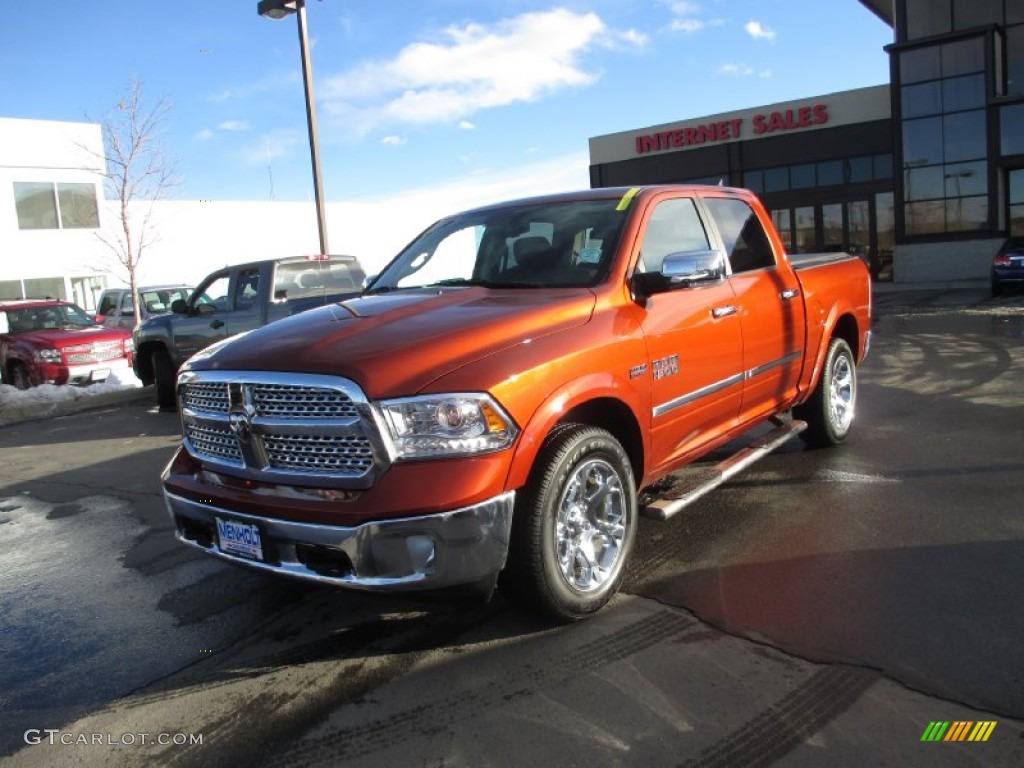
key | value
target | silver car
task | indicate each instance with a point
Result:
(117, 310)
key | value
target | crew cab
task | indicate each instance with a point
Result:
(233, 300)
(513, 390)
(46, 341)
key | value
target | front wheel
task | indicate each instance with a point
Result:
(163, 378)
(573, 527)
(19, 376)
(829, 412)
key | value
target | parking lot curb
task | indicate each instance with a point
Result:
(87, 402)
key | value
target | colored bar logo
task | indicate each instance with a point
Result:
(958, 730)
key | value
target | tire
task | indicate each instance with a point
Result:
(573, 527)
(997, 287)
(164, 380)
(19, 376)
(830, 410)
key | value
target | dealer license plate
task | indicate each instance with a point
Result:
(100, 374)
(240, 539)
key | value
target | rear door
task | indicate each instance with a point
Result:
(771, 308)
(694, 350)
(248, 305)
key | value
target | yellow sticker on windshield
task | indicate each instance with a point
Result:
(627, 199)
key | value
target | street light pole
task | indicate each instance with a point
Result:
(278, 9)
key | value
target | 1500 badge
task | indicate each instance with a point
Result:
(665, 366)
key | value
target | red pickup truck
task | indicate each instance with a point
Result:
(513, 390)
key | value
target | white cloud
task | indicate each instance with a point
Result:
(466, 125)
(473, 67)
(687, 17)
(759, 31)
(204, 135)
(234, 125)
(393, 141)
(687, 26)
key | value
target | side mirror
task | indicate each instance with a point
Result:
(682, 269)
(179, 307)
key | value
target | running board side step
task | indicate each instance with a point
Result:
(687, 493)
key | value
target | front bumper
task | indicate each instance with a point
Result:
(452, 548)
(82, 374)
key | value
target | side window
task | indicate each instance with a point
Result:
(674, 227)
(213, 297)
(746, 244)
(108, 304)
(247, 288)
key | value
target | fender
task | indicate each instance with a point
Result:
(838, 311)
(552, 410)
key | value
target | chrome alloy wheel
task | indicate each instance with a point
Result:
(590, 525)
(842, 393)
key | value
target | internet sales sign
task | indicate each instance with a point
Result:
(734, 129)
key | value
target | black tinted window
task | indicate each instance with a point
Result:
(746, 244)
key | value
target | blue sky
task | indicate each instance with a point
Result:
(415, 95)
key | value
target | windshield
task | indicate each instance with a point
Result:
(49, 316)
(566, 244)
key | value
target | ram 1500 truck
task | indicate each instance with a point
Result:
(513, 390)
(234, 300)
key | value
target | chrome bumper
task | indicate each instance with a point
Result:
(461, 546)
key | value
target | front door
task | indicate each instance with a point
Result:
(694, 349)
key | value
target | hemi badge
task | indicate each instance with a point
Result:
(638, 370)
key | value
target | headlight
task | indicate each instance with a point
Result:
(129, 346)
(48, 355)
(437, 426)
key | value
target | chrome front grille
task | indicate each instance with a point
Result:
(301, 429)
(97, 352)
(291, 402)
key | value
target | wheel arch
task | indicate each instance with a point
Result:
(840, 324)
(612, 408)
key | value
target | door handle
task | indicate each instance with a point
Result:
(217, 324)
(723, 311)
(790, 293)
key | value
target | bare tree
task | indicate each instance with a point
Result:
(137, 174)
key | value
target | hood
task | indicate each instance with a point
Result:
(396, 344)
(59, 338)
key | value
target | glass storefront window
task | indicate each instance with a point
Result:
(830, 173)
(754, 181)
(885, 232)
(965, 136)
(1016, 185)
(966, 179)
(960, 93)
(926, 218)
(78, 206)
(1015, 59)
(883, 166)
(919, 65)
(776, 180)
(923, 183)
(861, 169)
(1011, 130)
(966, 213)
(780, 219)
(802, 176)
(36, 206)
(922, 142)
(803, 220)
(921, 99)
(928, 17)
(963, 57)
(858, 224)
(832, 226)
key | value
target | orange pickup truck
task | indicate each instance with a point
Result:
(513, 390)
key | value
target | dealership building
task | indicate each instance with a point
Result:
(923, 177)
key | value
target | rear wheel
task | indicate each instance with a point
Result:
(829, 412)
(574, 525)
(997, 287)
(19, 376)
(163, 378)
